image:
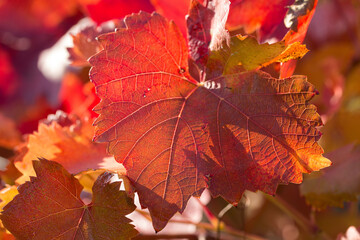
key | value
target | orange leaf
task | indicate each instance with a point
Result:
(66, 140)
(176, 135)
(50, 207)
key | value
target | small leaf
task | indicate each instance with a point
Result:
(50, 207)
(85, 43)
(176, 135)
(248, 53)
(65, 139)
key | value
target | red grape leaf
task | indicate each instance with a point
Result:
(248, 53)
(66, 140)
(297, 19)
(50, 207)
(206, 31)
(176, 136)
(335, 185)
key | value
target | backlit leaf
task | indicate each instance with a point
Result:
(66, 140)
(176, 135)
(50, 207)
(248, 53)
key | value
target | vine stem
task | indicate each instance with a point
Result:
(208, 226)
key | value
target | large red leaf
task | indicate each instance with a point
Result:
(176, 136)
(50, 207)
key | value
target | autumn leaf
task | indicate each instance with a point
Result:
(49, 207)
(335, 185)
(176, 135)
(65, 139)
(248, 53)
(206, 31)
